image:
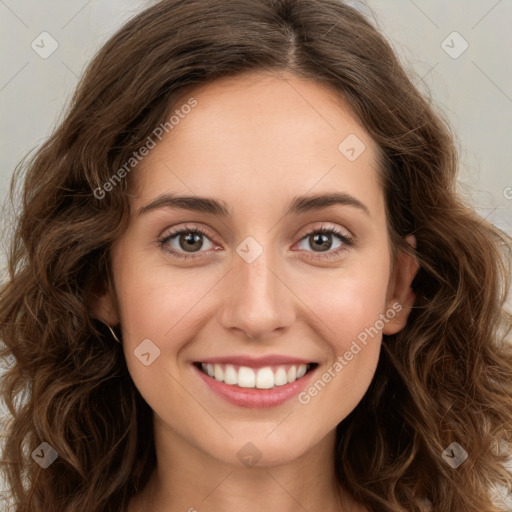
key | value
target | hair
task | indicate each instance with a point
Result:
(446, 377)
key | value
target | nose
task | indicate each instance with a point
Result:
(259, 302)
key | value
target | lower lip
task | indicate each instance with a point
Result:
(253, 397)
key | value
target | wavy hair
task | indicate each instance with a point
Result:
(446, 377)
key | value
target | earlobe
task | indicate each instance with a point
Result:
(400, 291)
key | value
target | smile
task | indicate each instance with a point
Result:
(266, 377)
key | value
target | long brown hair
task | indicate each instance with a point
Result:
(446, 377)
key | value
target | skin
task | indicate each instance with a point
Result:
(254, 142)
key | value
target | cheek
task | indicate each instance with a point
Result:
(350, 308)
(152, 309)
(347, 303)
(168, 307)
(155, 300)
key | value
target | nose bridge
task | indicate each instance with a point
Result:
(258, 301)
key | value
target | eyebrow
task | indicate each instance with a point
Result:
(300, 204)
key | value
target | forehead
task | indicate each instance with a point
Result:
(260, 133)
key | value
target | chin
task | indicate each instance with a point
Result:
(259, 451)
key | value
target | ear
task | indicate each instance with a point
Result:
(104, 306)
(400, 293)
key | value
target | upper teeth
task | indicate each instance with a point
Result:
(262, 378)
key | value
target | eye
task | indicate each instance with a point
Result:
(321, 239)
(184, 242)
(187, 242)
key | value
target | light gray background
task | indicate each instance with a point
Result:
(474, 90)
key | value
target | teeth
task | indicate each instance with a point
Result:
(301, 371)
(246, 377)
(230, 375)
(218, 373)
(280, 377)
(263, 378)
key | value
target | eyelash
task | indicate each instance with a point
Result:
(347, 241)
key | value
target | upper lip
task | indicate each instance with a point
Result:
(255, 362)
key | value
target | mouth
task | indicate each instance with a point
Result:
(264, 377)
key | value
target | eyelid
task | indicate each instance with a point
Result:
(347, 238)
(168, 233)
(172, 232)
(328, 226)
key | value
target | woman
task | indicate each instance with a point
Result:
(242, 280)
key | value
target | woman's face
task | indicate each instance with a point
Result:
(263, 291)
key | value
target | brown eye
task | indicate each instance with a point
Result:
(186, 242)
(190, 241)
(322, 241)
